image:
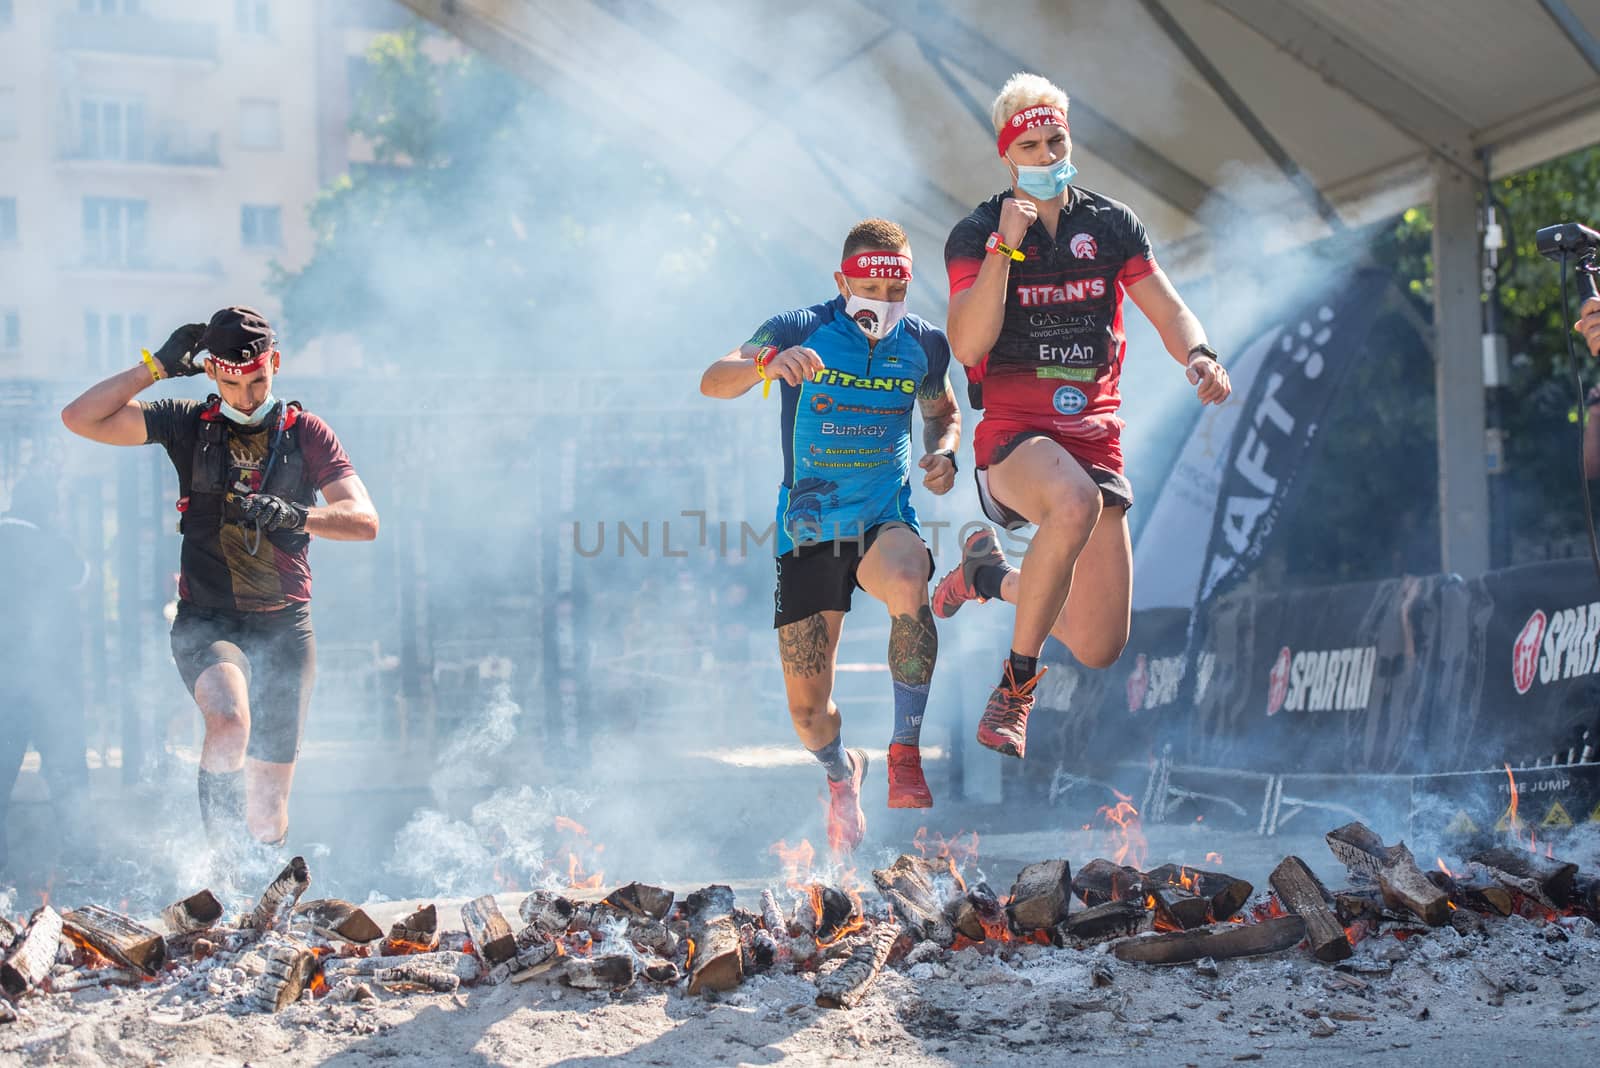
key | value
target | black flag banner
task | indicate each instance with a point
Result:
(1315, 351)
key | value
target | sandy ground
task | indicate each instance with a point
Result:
(1526, 992)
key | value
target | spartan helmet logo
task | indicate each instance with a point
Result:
(1084, 247)
(1016, 120)
(1278, 682)
(862, 262)
(1525, 653)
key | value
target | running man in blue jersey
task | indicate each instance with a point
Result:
(848, 373)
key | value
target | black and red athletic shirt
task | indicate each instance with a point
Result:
(218, 568)
(1057, 365)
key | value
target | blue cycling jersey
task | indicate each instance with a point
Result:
(847, 435)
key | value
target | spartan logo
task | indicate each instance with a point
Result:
(1324, 680)
(1084, 246)
(867, 319)
(1525, 652)
(1278, 682)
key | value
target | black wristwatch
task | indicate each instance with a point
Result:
(1204, 350)
(951, 453)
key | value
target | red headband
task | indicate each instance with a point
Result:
(239, 370)
(1030, 119)
(877, 264)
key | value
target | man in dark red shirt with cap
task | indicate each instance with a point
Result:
(249, 469)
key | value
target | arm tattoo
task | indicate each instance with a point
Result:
(913, 647)
(804, 647)
(940, 417)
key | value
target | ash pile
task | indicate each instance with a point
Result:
(919, 915)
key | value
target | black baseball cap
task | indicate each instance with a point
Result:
(237, 335)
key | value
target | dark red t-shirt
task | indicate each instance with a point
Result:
(218, 568)
(1057, 364)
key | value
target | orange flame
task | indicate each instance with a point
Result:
(570, 826)
(581, 855)
(1214, 858)
(319, 984)
(960, 850)
(1125, 830)
(399, 947)
(796, 860)
(1512, 821)
(1444, 867)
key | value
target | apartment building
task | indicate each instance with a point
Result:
(156, 158)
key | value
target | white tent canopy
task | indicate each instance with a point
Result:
(1291, 117)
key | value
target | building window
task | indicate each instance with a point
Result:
(113, 232)
(8, 220)
(111, 338)
(261, 226)
(111, 128)
(10, 330)
(109, 7)
(259, 125)
(8, 113)
(253, 16)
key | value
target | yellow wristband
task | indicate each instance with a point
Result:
(762, 358)
(150, 362)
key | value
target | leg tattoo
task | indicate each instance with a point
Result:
(913, 649)
(803, 645)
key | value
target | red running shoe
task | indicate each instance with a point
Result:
(982, 549)
(847, 824)
(1004, 726)
(907, 787)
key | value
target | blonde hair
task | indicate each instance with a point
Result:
(869, 234)
(1023, 91)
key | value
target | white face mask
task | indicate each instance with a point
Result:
(254, 418)
(876, 318)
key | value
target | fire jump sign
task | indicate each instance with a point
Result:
(1471, 808)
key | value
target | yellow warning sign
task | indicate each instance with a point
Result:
(1594, 817)
(1505, 822)
(1556, 817)
(1461, 825)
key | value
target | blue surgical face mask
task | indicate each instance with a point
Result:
(254, 418)
(1045, 183)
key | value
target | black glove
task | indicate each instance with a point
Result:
(273, 513)
(177, 356)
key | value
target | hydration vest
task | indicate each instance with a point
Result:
(203, 504)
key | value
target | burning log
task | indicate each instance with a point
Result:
(1221, 941)
(715, 961)
(846, 985)
(1361, 906)
(193, 913)
(639, 928)
(417, 933)
(613, 972)
(549, 912)
(1303, 894)
(412, 975)
(837, 912)
(910, 886)
(463, 965)
(1179, 909)
(1100, 881)
(347, 990)
(288, 970)
(491, 935)
(1476, 888)
(125, 941)
(332, 918)
(1550, 880)
(979, 910)
(84, 978)
(534, 947)
(641, 900)
(1114, 919)
(280, 896)
(32, 954)
(1226, 893)
(660, 971)
(772, 913)
(1393, 868)
(1041, 897)
(8, 933)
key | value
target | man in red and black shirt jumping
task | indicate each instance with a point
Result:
(249, 468)
(1037, 277)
